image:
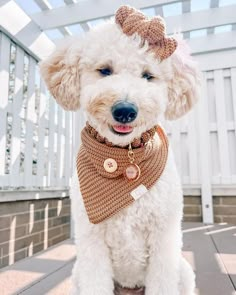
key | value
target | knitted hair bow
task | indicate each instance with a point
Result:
(152, 30)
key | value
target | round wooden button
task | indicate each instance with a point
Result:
(110, 165)
(132, 172)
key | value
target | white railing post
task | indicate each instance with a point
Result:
(16, 122)
(4, 82)
(41, 136)
(205, 155)
(30, 124)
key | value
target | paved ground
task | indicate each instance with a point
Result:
(210, 249)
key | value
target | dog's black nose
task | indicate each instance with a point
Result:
(124, 111)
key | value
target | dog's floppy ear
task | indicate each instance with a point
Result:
(60, 72)
(184, 87)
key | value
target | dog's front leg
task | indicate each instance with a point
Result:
(92, 273)
(163, 271)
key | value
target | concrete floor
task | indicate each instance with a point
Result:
(211, 250)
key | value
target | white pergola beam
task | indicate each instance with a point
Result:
(201, 19)
(222, 42)
(186, 8)
(213, 43)
(213, 4)
(85, 27)
(69, 1)
(216, 60)
(83, 11)
(45, 5)
(159, 10)
(65, 31)
(23, 30)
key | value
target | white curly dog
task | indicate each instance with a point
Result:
(140, 246)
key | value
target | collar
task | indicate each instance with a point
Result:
(136, 143)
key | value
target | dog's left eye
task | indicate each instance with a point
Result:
(147, 76)
(105, 71)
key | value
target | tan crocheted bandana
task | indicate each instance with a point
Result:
(112, 178)
(152, 30)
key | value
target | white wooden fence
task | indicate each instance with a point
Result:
(212, 126)
(35, 134)
(204, 141)
(38, 139)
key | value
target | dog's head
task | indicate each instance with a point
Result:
(124, 80)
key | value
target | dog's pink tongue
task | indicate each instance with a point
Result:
(122, 128)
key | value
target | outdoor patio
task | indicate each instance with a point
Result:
(39, 142)
(211, 250)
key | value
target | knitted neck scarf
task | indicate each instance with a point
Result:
(136, 143)
(105, 193)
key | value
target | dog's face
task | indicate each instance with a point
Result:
(123, 88)
(121, 85)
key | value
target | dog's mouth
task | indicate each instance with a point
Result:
(121, 129)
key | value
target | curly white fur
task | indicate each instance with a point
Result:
(141, 245)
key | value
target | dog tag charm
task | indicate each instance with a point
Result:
(132, 171)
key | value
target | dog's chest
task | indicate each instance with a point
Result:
(131, 234)
(128, 237)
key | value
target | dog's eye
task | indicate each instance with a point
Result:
(105, 71)
(147, 76)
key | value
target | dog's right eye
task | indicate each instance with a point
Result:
(105, 71)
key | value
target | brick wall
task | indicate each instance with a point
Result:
(224, 209)
(27, 227)
(192, 208)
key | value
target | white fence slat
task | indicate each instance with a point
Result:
(59, 148)
(30, 123)
(176, 144)
(192, 148)
(215, 156)
(70, 14)
(4, 82)
(204, 153)
(228, 99)
(15, 178)
(233, 83)
(63, 150)
(51, 140)
(41, 135)
(68, 147)
(78, 122)
(222, 128)
(183, 148)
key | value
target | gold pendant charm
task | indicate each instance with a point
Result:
(132, 172)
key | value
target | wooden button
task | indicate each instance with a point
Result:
(110, 165)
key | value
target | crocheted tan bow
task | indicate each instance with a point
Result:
(151, 30)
